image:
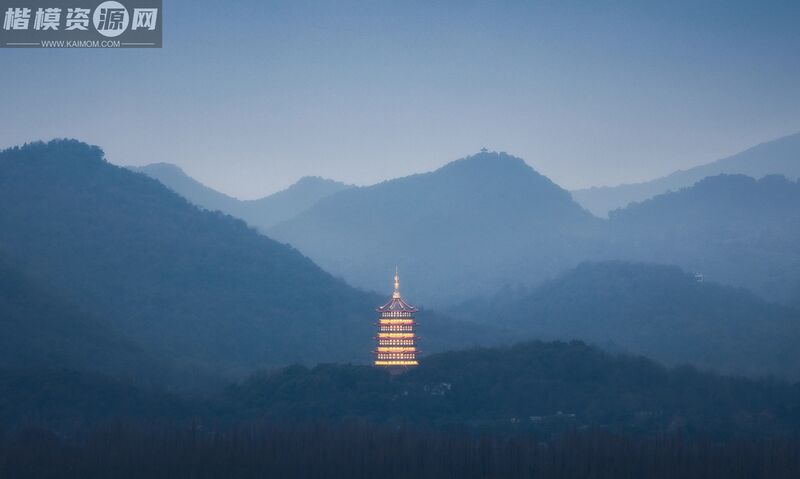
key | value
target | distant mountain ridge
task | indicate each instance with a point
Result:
(174, 178)
(781, 156)
(206, 291)
(733, 228)
(654, 310)
(261, 213)
(198, 288)
(489, 220)
(455, 232)
(486, 221)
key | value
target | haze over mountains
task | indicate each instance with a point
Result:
(205, 293)
(489, 220)
(658, 311)
(261, 213)
(731, 228)
(197, 287)
(457, 232)
(781, 156)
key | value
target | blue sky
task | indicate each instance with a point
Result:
(249, 96)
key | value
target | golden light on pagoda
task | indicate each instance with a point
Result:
(396, 338)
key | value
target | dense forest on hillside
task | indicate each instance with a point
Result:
(535, 409)
(551, 386)
(40, 329)
(545, 387)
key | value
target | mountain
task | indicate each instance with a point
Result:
(658, 311)
(199, 288)
(781, 156)
(464, 229)
(261, 213)
(283, 205)
(732, 228)
(489, 221)
(174, 178)
(38, 329)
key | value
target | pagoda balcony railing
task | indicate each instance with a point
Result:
(396, 349)
(409, 335)
(396, 363)
(396, 314)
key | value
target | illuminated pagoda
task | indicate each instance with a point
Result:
(396, 340)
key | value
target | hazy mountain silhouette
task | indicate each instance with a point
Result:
(732, 228)
(487, 221)
(261, 213)
(659, 311)
(197, 287)
(174, 178)
(205, 290)
(781, 156)
(39, 329)
(461, 230)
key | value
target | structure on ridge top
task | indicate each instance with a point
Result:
(396, 340)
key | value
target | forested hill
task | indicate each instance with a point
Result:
(538, 386)
(716, 204)
(658, 311)
(462, 230)
(38, 329)
(196, 287)
(543, 385)
(560, 409)
(732, 228)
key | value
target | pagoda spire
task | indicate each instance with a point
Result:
(396, 293)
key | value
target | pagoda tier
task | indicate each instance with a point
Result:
(396, 338)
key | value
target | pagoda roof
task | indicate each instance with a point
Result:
(397, 304)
